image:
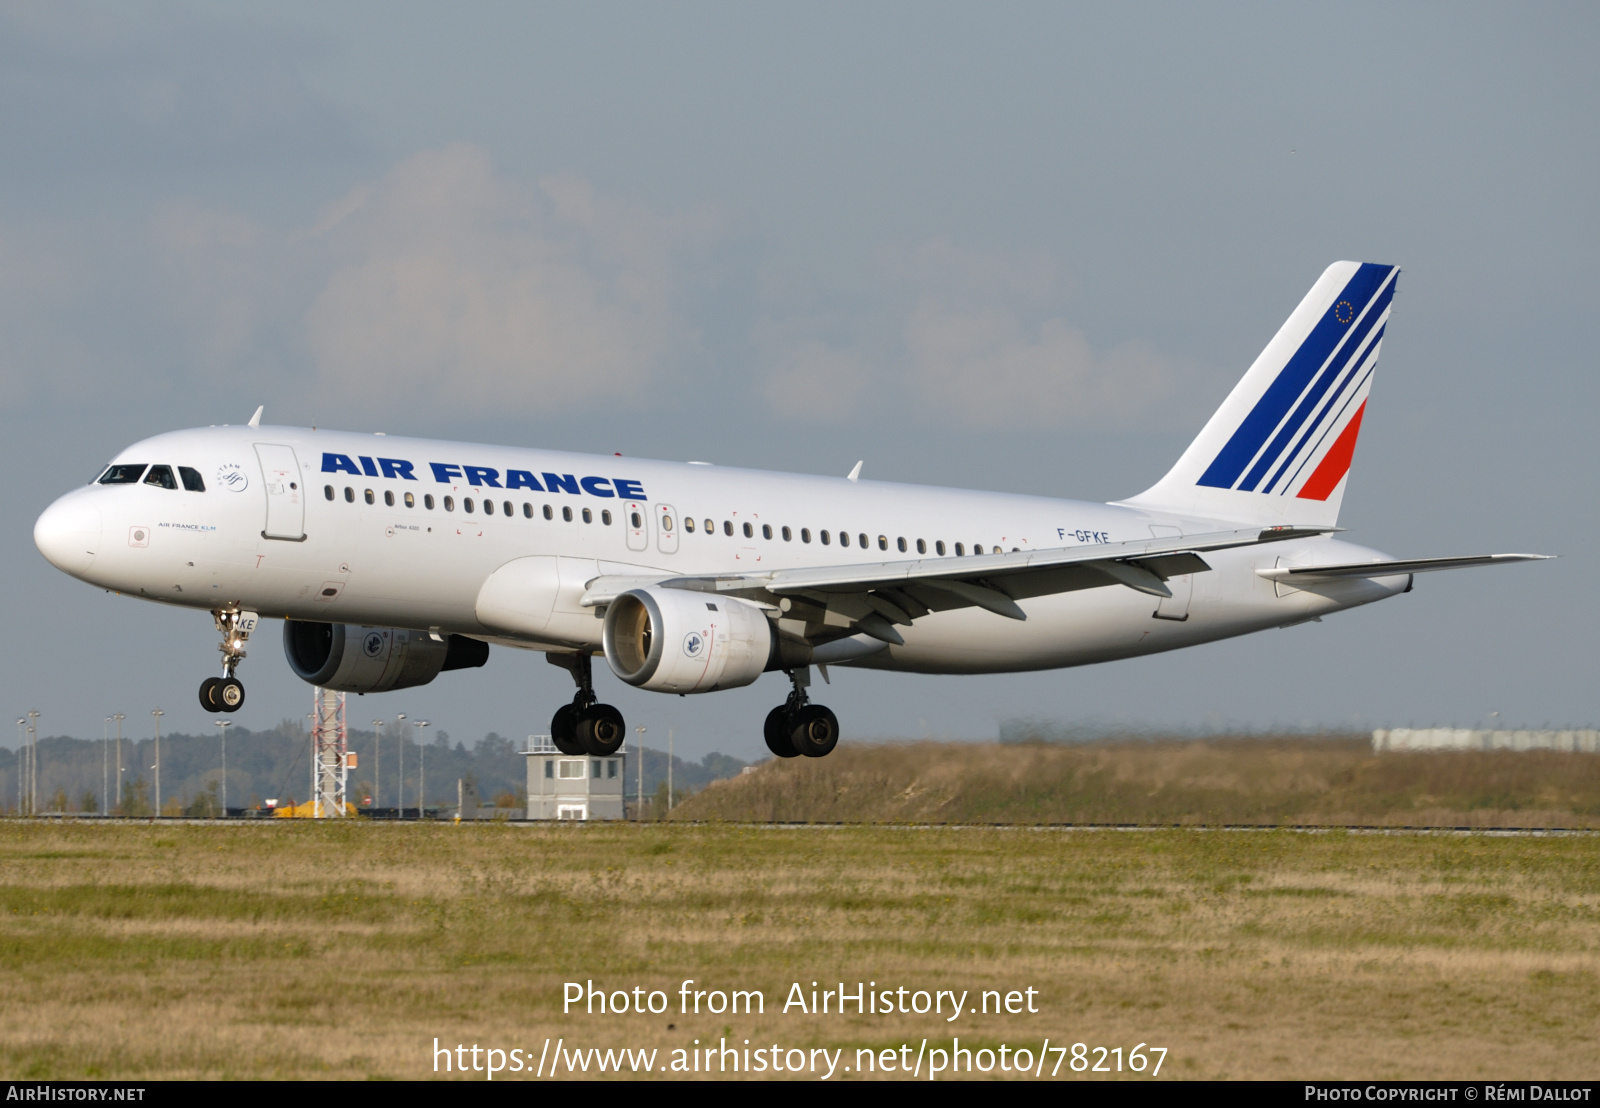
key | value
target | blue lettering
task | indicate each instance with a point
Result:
(394, 467)
(561, 482)
(592, 485)
(367, 467)
(629, 490)
(522, 479)
(481, 476)
(442, 473)
(339, 463)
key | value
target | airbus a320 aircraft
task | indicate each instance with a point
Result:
(391, 560)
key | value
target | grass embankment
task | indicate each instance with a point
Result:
(293, 949)
(1336, 781)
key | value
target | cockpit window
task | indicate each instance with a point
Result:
(161, 475)
(122, 474)
(192, 479)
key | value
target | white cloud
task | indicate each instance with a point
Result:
(443, 284)
(973, 339)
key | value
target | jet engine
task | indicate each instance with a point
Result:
(373, 659)
(678, 641)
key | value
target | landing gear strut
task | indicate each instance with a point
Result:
(585, 727)
(226, 693)
(798, 727)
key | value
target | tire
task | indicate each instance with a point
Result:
(229, 694)
(777, 734)
(601, 730)
(208, 694)
(815, 732)
(564, 730)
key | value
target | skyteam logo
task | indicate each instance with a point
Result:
(372, 645)
(1301, 433)
(232, 478)
(693, 644)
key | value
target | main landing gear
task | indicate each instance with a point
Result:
(797, 727)
(584, 727)
(226, 693)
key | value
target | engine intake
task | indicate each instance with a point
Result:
(356, 659)
(677, 641)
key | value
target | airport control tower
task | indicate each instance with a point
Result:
(565, 786)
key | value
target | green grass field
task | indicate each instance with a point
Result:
(300, 949)
(1287, 780)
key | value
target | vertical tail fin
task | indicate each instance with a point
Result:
(1279, 448)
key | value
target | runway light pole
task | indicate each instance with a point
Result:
(105, 763)
(22, 750)
(33, 764)
(402, 808)
(422, 770)
(119, 717)
(222, 728)
(158, 713)
(377, 764)
(639, 801)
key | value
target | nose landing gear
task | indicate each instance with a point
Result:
(226, 693)
(585, 727)
(797, 727)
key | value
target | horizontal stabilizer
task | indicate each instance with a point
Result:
(1392, 568)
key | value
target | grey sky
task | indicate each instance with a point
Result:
(793, 236)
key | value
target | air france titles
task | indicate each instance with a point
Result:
(484, 477)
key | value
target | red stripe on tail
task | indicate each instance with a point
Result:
(1336, 463)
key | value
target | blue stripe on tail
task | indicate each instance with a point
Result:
(1292, 380)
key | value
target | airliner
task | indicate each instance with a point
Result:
(392, 560)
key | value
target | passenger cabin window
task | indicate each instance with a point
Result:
(327, 492)
(635, 521)
(901, 543)
(449, 503)
(411, 500)
(368, 497)
(588, 516)
(863, 541)
(688, 524)
(466, 504)
(548, 514)
(788, 536)
(527, 510)
(939, 547)
(192, 479)
(123, 475)
(805, 534)
(883, 543)
(922, 547)
(506, 507)
(488, 507)
(427, 501)
(766, 530)
(824, 537)
(605, 518)
(711, 528)
(161, 477)
(727, 527)
(844, 538)
(349, 495)
(960, 550)
(566, 514)
(749, 532)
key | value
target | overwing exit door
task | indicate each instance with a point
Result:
(666, 529)
(286, 502)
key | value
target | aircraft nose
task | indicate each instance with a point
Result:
(68, 533)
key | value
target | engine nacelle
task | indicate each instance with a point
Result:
(373, 659)
(678, 641)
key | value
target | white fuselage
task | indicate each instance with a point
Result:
(362, 560)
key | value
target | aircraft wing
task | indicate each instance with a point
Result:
(872, 597)
(1392, 568)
